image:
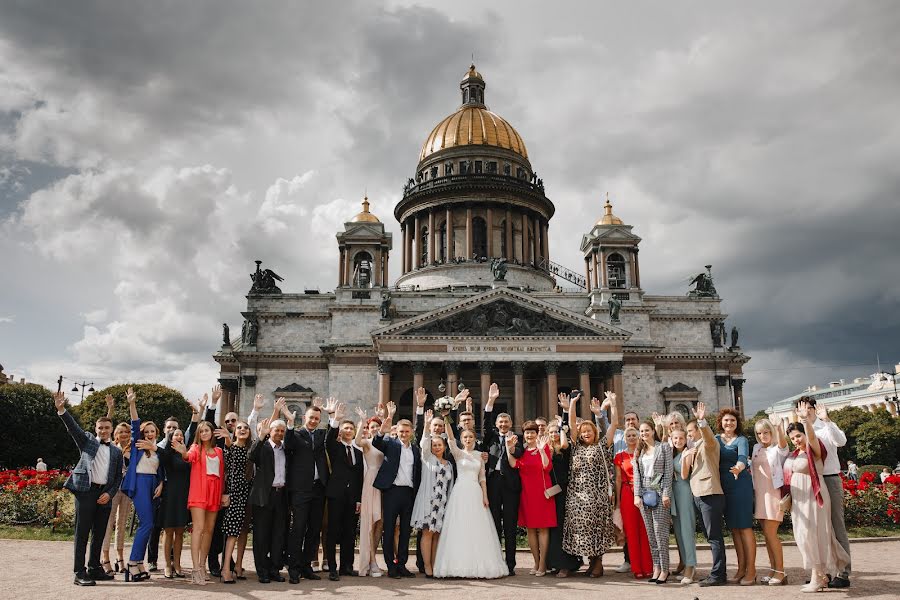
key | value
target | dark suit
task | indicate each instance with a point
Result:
(307, 479)
(90, 518)
(344, 492)
(269, 509)
(397, 500)
(503, 487)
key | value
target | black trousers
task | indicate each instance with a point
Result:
(342, 522)
(397, 501)
(306, 509)
(504, 503)
(90, 522)
(217, 544)
(268, 533)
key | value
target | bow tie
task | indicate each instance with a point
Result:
(106, 443)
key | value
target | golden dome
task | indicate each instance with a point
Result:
(472, 73)
(473, 125)
(608, 217)
(365, 216)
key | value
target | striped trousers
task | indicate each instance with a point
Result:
(658, 521)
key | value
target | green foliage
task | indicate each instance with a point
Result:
(877, 469)
(849, 419)
(877, 441)
(32, 428)
(154, 403)
(34, 505)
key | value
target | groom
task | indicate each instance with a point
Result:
(398, 479)
(503, 483)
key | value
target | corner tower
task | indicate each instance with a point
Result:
(474, 198)
(364, 251)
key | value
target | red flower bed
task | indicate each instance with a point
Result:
(869, 502)
(19, 479)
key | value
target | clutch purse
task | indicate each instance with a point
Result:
(785, 503)
(552, 491)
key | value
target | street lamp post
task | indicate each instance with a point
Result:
(83, 385)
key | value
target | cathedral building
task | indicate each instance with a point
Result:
(480, 300)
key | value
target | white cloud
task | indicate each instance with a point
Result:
(9, 319)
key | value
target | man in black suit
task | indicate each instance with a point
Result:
(307, 480)
(93, 482)
(269, 499)
(503, 483)
(344, 493)
(398, 479)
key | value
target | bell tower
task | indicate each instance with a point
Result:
(364, 251)
(611, 260)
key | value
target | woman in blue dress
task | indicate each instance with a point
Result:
(734, 471)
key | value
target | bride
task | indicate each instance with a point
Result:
(469, 546)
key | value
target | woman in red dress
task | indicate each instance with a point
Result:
(632, 521)
(537, 511)
(205, 495)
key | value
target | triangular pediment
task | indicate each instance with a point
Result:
(502, 313)
(607, 233)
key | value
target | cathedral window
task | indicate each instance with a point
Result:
(492, 167)
(520, 173)
(448, 168)
(503, 239)
(362, 270)
(478, 167)
(434, 172)
(615, 271)
(506, 169)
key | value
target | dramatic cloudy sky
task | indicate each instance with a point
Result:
(149, 151)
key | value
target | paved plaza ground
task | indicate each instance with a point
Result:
(37, 570)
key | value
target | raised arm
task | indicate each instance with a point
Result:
(487, 430)
(609, 403)
(510, 450)
(709, 440)
(110, 406)
(79, 435)
(386, 424)
(360, 439)
(253, 418)
(573, 409)
(804, 412)
(131, 397)
(831, 431)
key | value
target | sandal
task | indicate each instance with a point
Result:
(107, 568)
(776, 581)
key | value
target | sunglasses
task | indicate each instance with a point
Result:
(231, 420)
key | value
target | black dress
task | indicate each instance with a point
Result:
(173, 511)
(237, 486)
(557, 558)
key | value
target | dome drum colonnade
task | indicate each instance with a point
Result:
(475, 197)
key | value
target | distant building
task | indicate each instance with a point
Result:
(869, 393)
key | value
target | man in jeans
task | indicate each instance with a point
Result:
(703, 461)
(833, 438)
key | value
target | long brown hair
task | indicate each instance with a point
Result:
(212, 438)
(144, 426)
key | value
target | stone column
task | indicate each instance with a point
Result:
(469, 249)
(615, 369)
(536, 225)
(587, 273)
(490, 232)
(524, 238)
(596, 268)
(348, 269)
(431, 237)
(452, 368)
(418, 368)
(384, 381)
(510, 251)
(230, 390)
(377, 267)
(518, 393)
(637, 269)
(386, 273)
(546, 238)
(633, 279)
(604, 281)
(552, 383)
(341, 269)
(737, 385)
(485, 368)
(449, 241)
(584, 382)
(406, 244)
(417, 244)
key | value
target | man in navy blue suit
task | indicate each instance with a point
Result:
(398, 479)
(94, 481)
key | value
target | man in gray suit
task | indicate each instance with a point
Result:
(94, 481)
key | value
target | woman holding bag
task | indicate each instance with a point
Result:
(652, 494)
(558, 560)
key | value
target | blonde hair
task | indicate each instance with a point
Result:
(677, 417)
(590, 424)
(766, 424)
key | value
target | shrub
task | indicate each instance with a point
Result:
(29, 498)
(32, 428)
(869, 503)
(154, 403)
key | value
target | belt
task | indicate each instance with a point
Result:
(833, 475)
(99, 486)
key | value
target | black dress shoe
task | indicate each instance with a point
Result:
(710, 582)
(99, 575)
(512, 571)
(211, 573)
(83, 579)
(310, 575)
(348, 573)
(839, 583)
(393, 574)
(263, 579)
(333, 576)
(293, 579)
(405, 572)
(277, 577)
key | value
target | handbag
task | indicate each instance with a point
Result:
(554, 489)
(785, 503)
(650, 495)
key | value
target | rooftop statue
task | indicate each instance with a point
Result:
(264, 281)
(704, 283)
(498, 268)
(615, 305)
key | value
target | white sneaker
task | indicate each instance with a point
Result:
(314, 565)
(625, 567)
(374, 571)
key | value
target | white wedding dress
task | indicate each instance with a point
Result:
(469, 546)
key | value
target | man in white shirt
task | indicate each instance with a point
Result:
(833, 438)
(41, 466)
(269, 499)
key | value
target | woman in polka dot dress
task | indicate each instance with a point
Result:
(238, 482)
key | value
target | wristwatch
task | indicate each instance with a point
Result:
(702, 423)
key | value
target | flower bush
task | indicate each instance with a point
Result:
(29, 497)
(868, 502)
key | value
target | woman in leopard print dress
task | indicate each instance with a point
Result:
(588, 529)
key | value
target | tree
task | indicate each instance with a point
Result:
(849, 419)
(33, 429)
(877, 443)
(154, 403)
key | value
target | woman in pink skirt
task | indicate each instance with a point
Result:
(767, 462)
(370, 522)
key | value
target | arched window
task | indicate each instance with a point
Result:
(615, 271)
(503, 239)
(479, 237)
(362, 270)
(442, 242)
(424, 257)
(683, 409)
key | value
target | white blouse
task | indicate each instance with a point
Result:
(148, 465)
(647, 460)
(212, 465)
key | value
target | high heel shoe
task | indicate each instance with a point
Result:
(167, 572)
(816, 584)
(118, 567)
(197, 577)
(774, 581)
(688, 576)
(748, 581)
(737, 578)
(660, 580)
(133, 573)
(107, 568)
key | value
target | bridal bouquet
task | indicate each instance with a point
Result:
(444, 404)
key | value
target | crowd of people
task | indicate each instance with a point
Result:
(576, 486)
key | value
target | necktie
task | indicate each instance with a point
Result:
(349, 456)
